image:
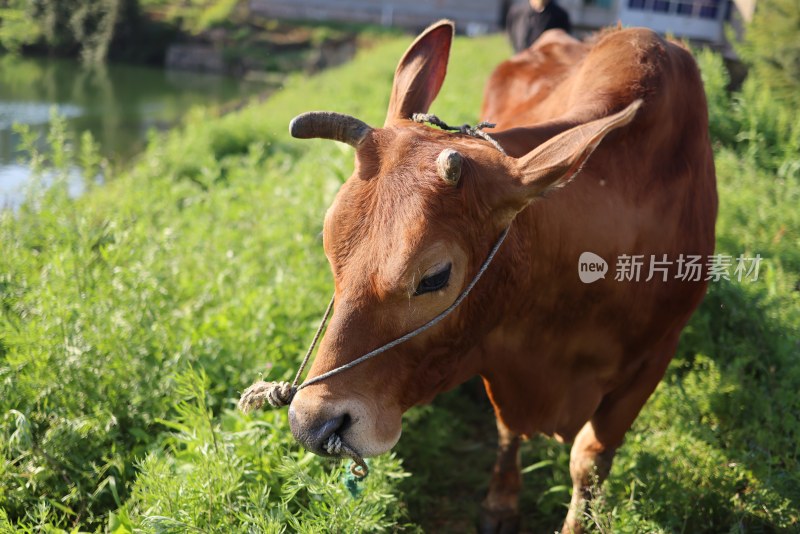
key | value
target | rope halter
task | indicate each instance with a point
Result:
(279, 394)
(464, 129)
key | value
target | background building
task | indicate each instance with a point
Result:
(700, 20)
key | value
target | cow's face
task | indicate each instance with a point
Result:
(404, 236)
(402, 244)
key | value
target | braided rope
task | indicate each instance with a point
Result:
(279, 394)
(336, 447)
(464, 129)
(430, 324)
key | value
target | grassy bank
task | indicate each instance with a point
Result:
(132, 317)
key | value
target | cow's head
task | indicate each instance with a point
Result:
(404, 236)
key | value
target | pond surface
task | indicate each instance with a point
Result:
(118, 104)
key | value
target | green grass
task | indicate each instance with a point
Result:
(132, 317)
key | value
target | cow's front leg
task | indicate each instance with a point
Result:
(500, 509)
(589, 464)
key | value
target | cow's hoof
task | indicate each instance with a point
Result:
(492, 522)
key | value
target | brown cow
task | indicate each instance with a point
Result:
(569, 359)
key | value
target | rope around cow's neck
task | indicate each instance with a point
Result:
(279, 394)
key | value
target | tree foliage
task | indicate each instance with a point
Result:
(90, 28)
(193, 16)
(17, 27)
(65, 27)
(772, 46)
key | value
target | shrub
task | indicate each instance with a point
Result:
(772, 48)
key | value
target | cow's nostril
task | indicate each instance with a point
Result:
(314, 435)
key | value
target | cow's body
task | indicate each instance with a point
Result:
(647, 190)
(558, 356)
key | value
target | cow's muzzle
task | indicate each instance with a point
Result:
(343, 426)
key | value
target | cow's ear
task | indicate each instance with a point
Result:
(555, 162)
(420, 73)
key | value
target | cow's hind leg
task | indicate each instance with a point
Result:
(500, 509)
(594, 447)
(589, 464)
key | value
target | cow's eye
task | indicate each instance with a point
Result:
(435, 281)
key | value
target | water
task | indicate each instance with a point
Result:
(118, 104)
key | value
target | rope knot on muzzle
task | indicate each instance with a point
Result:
(334, 445)
(276, 394)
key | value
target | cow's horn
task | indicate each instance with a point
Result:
(329, 125)
(448, 165)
